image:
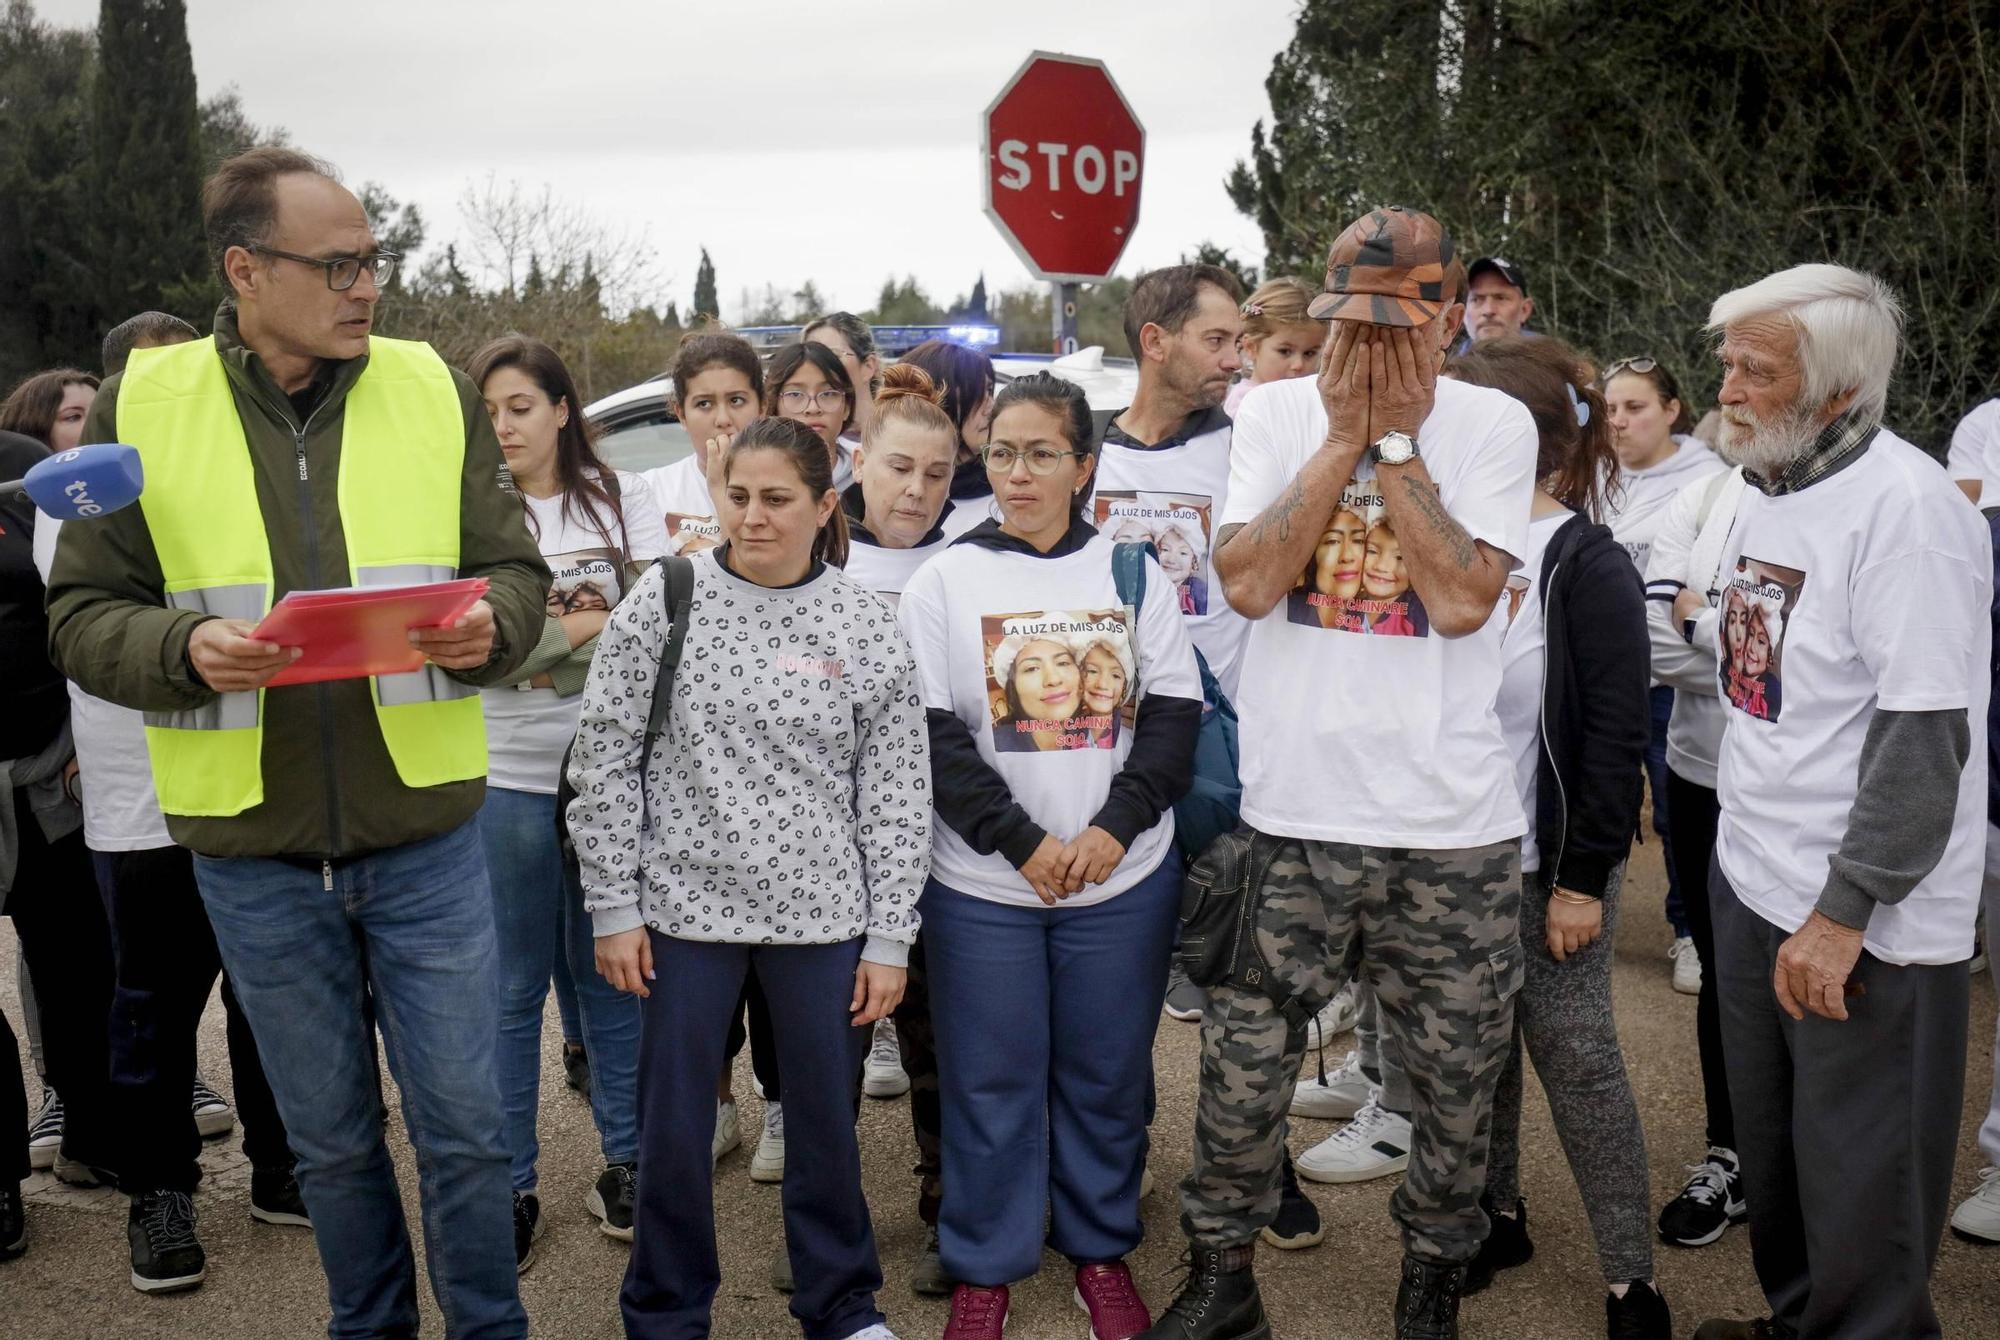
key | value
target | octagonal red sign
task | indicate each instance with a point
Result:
(1065, 157)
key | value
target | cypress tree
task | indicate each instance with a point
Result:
(145, 166)
(705, 302)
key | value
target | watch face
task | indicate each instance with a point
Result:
(1395, 449)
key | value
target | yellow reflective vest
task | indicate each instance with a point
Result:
(399, 513)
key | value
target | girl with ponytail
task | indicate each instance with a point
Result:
(780, 827)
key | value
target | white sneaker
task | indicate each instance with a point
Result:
(45, 1132)
(1978, 1215)
(1335, 1017)
(1687, 966)
(728, 1132)
(1375, 1144)
(876, 1332)
(883, 1076)
(1145, 1183)
(213, 1117)
(1344, 1093)
(768, 1163)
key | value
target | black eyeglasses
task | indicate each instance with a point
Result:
(341, 271)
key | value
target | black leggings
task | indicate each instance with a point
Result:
(1696, 810)
(763, 1038)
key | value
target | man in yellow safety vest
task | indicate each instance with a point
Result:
(331, 822)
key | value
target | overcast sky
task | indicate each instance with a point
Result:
(831, 141)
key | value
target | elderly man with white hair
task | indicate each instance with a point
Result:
(1848, 861)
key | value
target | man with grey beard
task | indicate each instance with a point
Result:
(1853, 660)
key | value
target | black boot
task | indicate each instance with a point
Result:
(1507, 1245)
(1640, 1315)
(1427, 1304)
(13, 1223)
(1218, 1302)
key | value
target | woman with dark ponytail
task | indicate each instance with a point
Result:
(1048, 923)
(781, 827)
(1575, 662)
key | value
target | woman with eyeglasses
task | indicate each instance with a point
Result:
(966, 378)
(853, 343)
(806, 382)
(1054, 888)
(1656, 460)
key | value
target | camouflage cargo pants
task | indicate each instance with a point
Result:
(1436, 936)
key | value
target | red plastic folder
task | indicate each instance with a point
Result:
(360, 631)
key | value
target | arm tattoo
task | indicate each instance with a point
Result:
(1275, 522)
(1431, 505)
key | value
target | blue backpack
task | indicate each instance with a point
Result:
(1214, 803)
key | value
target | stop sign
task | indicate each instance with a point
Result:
(1064, 156)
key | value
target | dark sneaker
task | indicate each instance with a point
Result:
(976, 1313)
(576, 1067)
(1711, 1201)
(1507, 1245)
(1640, 1315)
(1218, 1301)
(1185, 1001)
(1108, 1296)
(527, 1228)
(1297, 1225)
(45, 1131)
(213, 1116)
(166, 1255)
(1427, 1302)
(275, 1198)
(929, 1278)
(611, 1200)
(13, 1223)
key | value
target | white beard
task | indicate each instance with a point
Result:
(1767, 448)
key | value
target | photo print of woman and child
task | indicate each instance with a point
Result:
(1177, 527)
(1059, 679)
(584, 580)
(1760, 598)
(1356, 581)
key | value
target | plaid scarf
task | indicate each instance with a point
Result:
(1837, 445)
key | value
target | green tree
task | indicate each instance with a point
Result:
(706, 304)
(227, 130)
(1210, 254)
(904, 303)
(1760, 136)
(145, 172)
(398, 228)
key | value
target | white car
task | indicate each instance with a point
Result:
(637, 430)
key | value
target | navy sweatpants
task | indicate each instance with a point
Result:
(673, 1275)
(1045, 1019)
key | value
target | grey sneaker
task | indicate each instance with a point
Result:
(781, 1270)
(1185, 1000)
(929, 1278)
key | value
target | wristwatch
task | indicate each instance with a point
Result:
(1393, 449)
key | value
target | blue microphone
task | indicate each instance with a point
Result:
(82, 483)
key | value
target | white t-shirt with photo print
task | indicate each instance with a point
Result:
(1037, 657)
(527, 729)
(1358, 722)
(1171, 495)
(1869, 589)
(681, 493)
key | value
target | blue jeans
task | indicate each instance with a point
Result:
(1045, 1019)
(1662, 702)
(538, 913)
(411, 929)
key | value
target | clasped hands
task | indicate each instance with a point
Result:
(1058, 869)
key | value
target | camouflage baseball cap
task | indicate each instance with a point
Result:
(1387, 269)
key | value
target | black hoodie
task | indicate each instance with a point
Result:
(974, 799)
(1596, 719)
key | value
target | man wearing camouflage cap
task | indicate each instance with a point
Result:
(1376, 781)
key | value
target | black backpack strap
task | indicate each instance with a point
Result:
(679, 601)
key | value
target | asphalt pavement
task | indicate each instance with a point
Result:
(265, 1281)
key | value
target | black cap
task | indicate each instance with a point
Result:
(1501, 266)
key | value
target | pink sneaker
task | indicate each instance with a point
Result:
(976, 1313)
(1108, 1294)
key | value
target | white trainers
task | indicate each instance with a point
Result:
(45, 1132)
(1375, 1144)
(1687, 966)
(876, 1332)
(768, 1163)
(1978, 1215)
(883, 1076)
(213, 1116)
(1344, 1093)
(1335, 1017)
(728, 1132)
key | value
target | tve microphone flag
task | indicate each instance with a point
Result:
(84, 482)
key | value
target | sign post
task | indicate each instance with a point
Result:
(1065, 159)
